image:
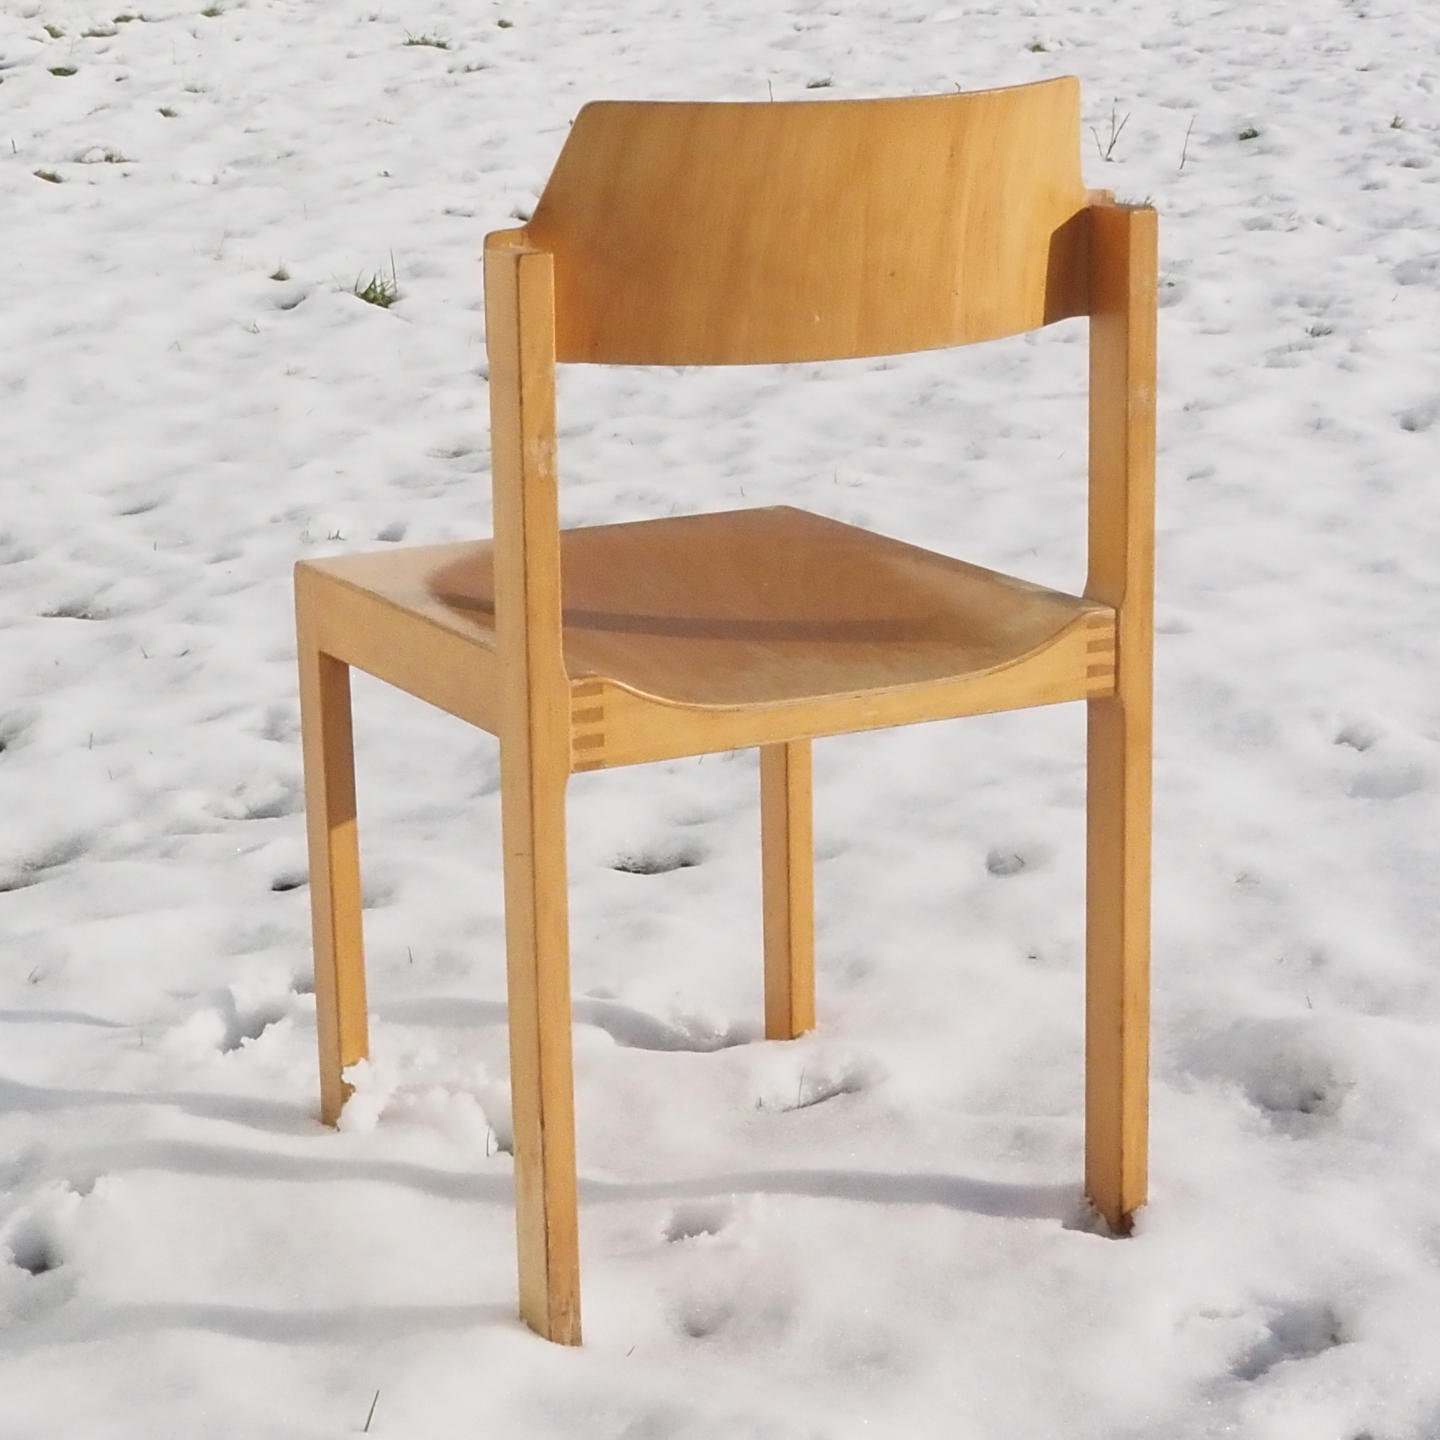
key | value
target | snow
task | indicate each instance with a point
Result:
(874, 1231)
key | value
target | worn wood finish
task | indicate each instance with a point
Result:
(853, 227)
(534, 768)
(718, 234)
(787, 860)
(1122, 561)
(334, 845)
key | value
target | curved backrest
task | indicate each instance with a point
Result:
(694, 234)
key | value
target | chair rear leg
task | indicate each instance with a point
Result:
(537, 943)
(330, 823)
(787, 857)
(1117, 963)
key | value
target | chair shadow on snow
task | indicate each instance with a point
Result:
(347, 1324)
(1061, 1204)
(1058, 1203)
(628, 1027)
(57, 1017)
(278, 1117)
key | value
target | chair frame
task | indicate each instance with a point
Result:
(552, 725)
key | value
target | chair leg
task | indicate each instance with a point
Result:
(1117, 962)
(787, 858)
(542, 1099)
(329, 755)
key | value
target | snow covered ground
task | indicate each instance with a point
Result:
(876, 1231)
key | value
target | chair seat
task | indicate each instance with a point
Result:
(744, 608)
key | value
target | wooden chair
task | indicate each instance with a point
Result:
(721, 234)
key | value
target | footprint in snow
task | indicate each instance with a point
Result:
(1384, 774)
(1295, 1072)
(1299, 1332)
(700, 1316)
(375, 891)
(281, 723)
(658, 860)
(35, 1239)
(251, 1022)
(1358, 735)
(12, 730)
(230, 1019)
(290, 296)
(1388, 782)
(269, 802)
(758, 1306)
(1422, 270)
(818, 1080)
(695, 1218)
(1007, 860)
(636, 1030)
(33, 1248)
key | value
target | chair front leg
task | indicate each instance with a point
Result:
(542, 1099)
(787, 858)
(1117, 959)
(330, 823)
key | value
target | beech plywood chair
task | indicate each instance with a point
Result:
(725, 234)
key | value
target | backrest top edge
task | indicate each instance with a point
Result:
(949, 96)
